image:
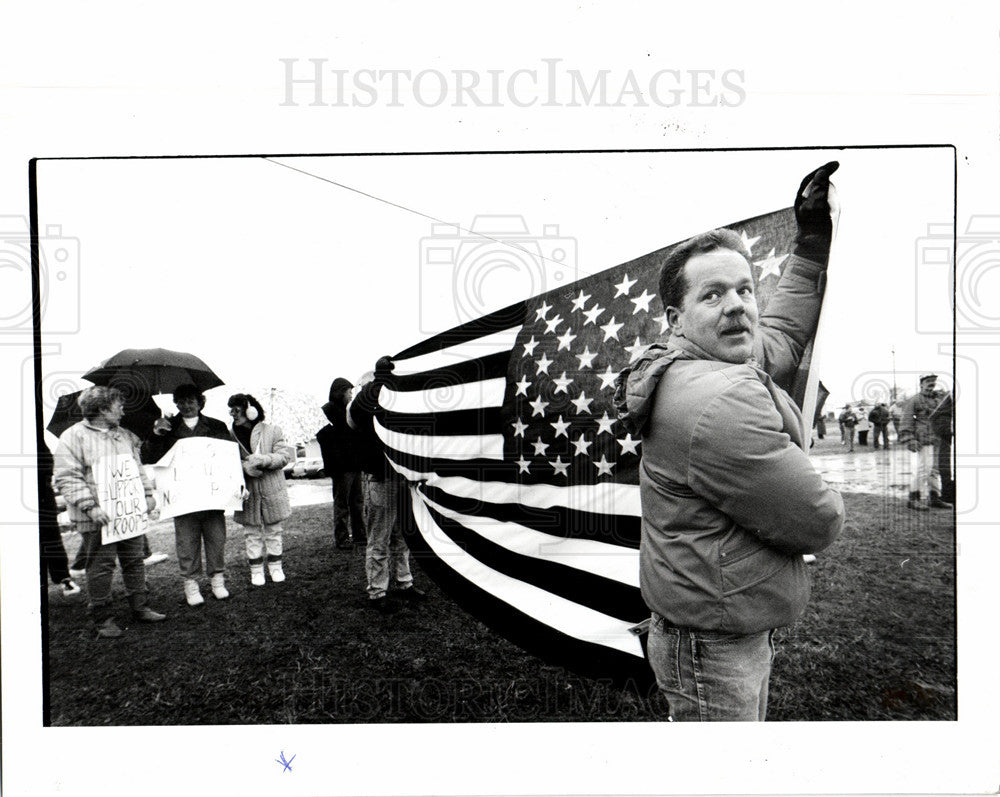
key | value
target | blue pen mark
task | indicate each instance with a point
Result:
(286, 764)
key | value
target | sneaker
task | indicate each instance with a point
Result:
(155, 559)
(808, 558)
(916, 503)
(109, 629)
(257, 575)
(192, 593)
(147, 615)
(69, 587)
(219, 586)
(275, 571)
(77, 573)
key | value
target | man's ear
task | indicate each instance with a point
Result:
(674, 318)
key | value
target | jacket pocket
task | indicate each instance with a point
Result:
(746, 561)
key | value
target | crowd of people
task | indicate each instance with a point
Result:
(367, 495)
(923, 424)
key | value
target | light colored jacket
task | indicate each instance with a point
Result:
(80, 448)
(267, 499)
(729, 498)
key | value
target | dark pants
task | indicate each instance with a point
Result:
(101, 568)
(863, 438)
(53, 554)
(348, 503)
(881, 430)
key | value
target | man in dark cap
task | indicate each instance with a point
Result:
(338, 444)
(917, 432)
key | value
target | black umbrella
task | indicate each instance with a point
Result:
(153, 371)
(140, 412)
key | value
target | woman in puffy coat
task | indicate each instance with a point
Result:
(264, 453)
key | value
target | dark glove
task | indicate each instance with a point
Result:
(812, 214)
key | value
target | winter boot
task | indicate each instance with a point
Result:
(936, 502)
(192, 592)
(257, 573)
(219, 586)
(914, 501)
(275, 571)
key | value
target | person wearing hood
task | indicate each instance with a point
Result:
(730, 501)
(338, 444)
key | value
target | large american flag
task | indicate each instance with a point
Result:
(524, 486)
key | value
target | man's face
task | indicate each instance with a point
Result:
(719, 311)
(927, 387)
(188, 407)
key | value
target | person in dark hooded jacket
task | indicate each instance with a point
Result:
(730, 501)
(338, 444)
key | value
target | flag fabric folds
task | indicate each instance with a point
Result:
(523, 485)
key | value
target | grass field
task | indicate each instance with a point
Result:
(877, 642)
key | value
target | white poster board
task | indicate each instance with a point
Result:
(199, 473)
(121, 495)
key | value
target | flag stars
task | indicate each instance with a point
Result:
(543, 364)
(586, 358)
(611, 329)
(604, 467)
(581, 445)
(529, 347)
(770, 265)
(642, 301)
(522, 386)
(519, 427)
(604, 424)
(608, 378)
(562, 383)
(582, 404)
(560, 426)
(538, 407)
(560, 467)
(542, 311)
(566, 340)
(748, 242)
(636, 349)
(593, 314)
(522, 465)
(629, 446)
(552, 324)
(540, 447)
(624, 286)
(580, 301)
(664, 324)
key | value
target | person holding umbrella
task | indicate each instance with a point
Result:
(81, 450)
(264, 453)
(194, 529)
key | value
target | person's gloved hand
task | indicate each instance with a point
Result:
(913, 446)
(816, 212)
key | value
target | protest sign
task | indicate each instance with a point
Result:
(199, 473)
(122, 496)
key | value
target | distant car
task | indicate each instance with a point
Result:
(308, 468)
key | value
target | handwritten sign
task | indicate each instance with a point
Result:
(199, 473)
(122, 497)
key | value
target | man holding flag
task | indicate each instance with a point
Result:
(729, 499)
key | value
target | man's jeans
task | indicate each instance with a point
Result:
(386, 548)
(709, 675)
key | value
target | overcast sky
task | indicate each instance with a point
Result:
(288, 277)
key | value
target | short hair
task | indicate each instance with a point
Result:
(245, 400)
(95, 400)
(673, 282)
(189, 391)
